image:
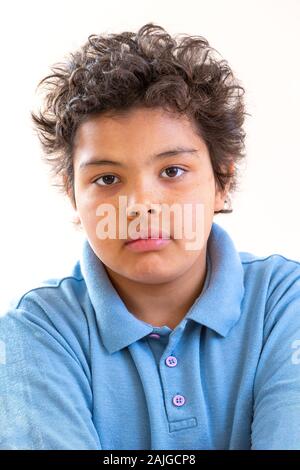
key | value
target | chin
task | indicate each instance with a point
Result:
(152, 274)
(153, 279)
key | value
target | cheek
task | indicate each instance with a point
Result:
(87, 209)
(202, 199)
(99, 224)
(202, 193)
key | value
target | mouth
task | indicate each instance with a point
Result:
(158, 234)
(146, 242)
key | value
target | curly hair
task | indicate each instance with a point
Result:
(114, 73)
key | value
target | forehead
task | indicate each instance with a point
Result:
(137, 127)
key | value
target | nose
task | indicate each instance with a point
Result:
(133, 210)
(142, 200)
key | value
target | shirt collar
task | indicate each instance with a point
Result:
(118, 327)
(218, 306)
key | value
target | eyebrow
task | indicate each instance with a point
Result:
(96, 161)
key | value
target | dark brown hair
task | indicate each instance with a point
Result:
(117, 72)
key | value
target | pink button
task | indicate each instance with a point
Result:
(178, 400)
(154, 335)
(171, 361)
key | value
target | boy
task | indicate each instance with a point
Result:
(148, 344)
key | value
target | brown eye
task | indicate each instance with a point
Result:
(172, 171)
(107, 180)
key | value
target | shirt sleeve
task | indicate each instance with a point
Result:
(276, 413)
(45, 394)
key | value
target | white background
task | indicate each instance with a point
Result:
(259, 38)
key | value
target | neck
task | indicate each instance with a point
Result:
(165, 303)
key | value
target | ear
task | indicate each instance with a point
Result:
(68, 191)
(75, 217)
(221, 195)
(220, 198)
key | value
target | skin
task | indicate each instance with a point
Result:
(160, 286)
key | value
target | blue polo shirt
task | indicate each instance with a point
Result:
(79, 371)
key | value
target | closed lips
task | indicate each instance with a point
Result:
(162, 235)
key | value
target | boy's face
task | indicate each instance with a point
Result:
(131, 140)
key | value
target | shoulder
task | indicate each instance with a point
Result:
(55, 307)
(57, 292)
(273, 282)
(275, 259)
(271, 269)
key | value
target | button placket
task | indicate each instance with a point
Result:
(181, 406)
(171, 361)
(172, 381)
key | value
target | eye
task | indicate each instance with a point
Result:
(107, 180)
(170, 171)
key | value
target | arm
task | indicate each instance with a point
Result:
(276, 418)
(46, 397)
